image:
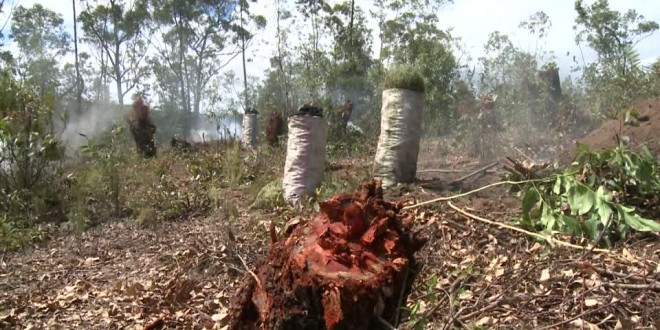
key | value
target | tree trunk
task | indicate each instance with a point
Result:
(120, 92)
(352, 266)
(280, 62)
(79, 87)
(351, 55)
(552, 96)
(245, 84)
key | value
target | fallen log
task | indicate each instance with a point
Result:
(479, 171)
(350, 267)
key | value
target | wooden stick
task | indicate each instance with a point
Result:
(524, 155)
(549, 239)
(465, 177)
(450, 171)
(256, 278)
(448, 198)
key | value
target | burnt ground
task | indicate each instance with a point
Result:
(181, 275)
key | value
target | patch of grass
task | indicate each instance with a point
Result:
(15, 234)
(146, 217)
(405, 77)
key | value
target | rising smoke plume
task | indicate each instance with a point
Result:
(92, 123)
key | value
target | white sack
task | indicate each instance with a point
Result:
(249, 138)
(400, 132)
(305, 157)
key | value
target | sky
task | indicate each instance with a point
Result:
(471, 20)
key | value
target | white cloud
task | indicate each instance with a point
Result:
(474, 20)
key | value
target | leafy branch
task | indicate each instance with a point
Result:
(591, 197)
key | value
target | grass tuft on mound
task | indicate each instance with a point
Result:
(404, 77)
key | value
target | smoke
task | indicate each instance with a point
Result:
(97, 120)
(211, 129)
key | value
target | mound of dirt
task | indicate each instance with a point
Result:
(644, 129)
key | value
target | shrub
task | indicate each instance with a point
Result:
(29, 153)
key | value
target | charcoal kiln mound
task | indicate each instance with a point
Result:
(642, 128)
(349, 267)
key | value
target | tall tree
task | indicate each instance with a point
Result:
(79, 81)
(313, 63)
(42, 41)
(411, 36)
(281, 59)
(119, 35)
(351, 53)
(615, 77)
(610, 33)
(199, 39)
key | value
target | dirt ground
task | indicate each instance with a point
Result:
(644, 131)
(181, 275)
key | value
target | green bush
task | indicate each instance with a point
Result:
(30, 154)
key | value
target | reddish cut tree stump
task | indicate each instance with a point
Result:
(350, 267)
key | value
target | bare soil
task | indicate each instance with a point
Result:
(646, 131)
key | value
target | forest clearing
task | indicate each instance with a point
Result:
(414, 189)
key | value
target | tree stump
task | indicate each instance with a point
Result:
(350, 267)
(142, 128)
(274, 128)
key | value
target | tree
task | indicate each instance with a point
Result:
(611, 34)
(196, 35)
(42, 41)
(615, 76)
(351, 61)
(412, 37)
(120, 37)
(281, 59)
(79, 82)
(312, 64)
(351, 51)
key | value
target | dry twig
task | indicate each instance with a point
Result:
(250, 271)
(465, 177)
(448, 198)
(549, 239)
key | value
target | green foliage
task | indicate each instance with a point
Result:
(418, 319)
(119, 34)
(95, 188)
(616, 78)
(271, 195)
(589, 199)
(14, 234)
(29, 153)
(232, 165)
(42, 41)
(29, 164)
(404, 77)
